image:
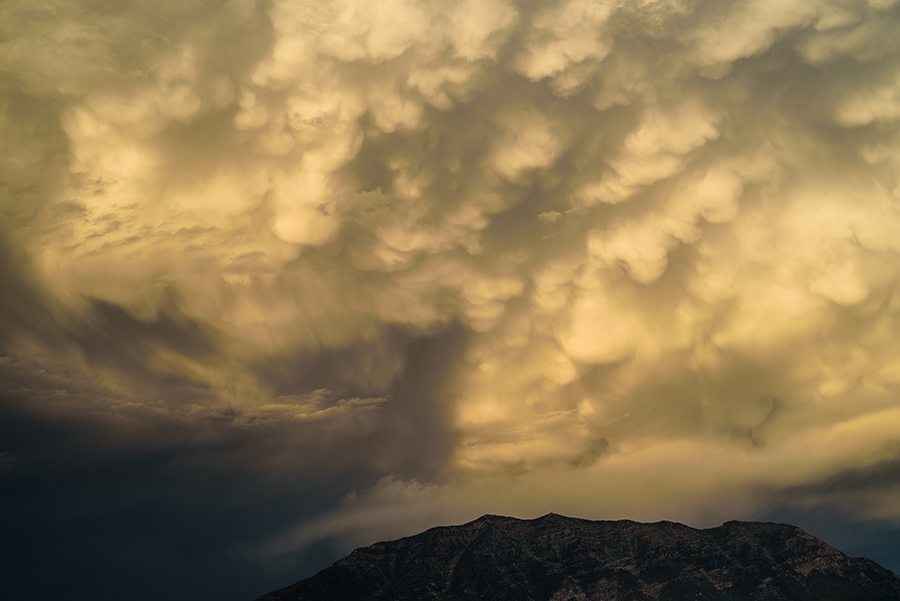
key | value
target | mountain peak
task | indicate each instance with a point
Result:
(555, 557)
(490, 517)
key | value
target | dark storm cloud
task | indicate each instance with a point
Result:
(94, 501)
(96, 505)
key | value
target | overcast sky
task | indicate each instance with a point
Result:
(279, 278)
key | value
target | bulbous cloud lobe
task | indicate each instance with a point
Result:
(496, 251)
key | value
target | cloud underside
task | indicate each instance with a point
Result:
(631, 259)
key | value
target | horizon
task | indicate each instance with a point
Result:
(279, 278)
(603, 520)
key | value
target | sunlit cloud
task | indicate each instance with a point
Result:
(605, 258)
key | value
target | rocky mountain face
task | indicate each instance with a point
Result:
(556, 558)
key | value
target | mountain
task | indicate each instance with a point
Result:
(556, 558)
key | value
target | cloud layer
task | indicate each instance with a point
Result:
(614, 259)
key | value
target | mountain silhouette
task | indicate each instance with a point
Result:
(557, 558)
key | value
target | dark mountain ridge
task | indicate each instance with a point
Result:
(557, 558)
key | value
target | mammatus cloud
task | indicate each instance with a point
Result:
(605, 258)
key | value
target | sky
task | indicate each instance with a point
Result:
(281, 278)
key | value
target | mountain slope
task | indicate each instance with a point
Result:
(556, 558)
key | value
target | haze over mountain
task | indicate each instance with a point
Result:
(567, 559)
